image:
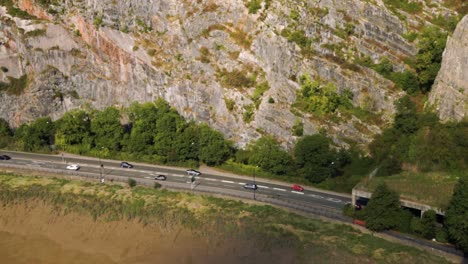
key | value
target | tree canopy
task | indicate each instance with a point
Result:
(383, 210)
(456, 215)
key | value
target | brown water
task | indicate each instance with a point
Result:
(17, 249)
(33, 234)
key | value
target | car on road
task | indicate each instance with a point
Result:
(193, 172)
(298, 188)
(4, 157)
(250, 186)
(73, 167)
(160, 177)
(125, 164)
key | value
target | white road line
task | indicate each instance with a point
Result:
(261, 186)
(333, 200)
(209, 179)
(278, 189)
(241, 183)
(297, 192)
(227, 181)
(316, 196)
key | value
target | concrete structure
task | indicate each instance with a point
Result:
(364, 194)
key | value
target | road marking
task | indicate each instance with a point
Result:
(297, 192)
(241, 183)
(333, 200)
(209, 179)
(261, 186)
(148, 177)
(278, 189)
(316, 196)
(227, 181)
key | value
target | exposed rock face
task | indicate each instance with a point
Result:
(449, 93)
(103, 52)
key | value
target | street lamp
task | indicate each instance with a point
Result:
(255, 185)
(101, 165)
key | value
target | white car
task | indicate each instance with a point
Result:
(73, 167)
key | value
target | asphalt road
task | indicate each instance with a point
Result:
(312, 201)
(144, 171)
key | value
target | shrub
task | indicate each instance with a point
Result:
(157, 185)
(383, 210)
(254, 6)
(428, 223)
(235, 78)
(35, 33)
(298, 128)
(15, 86)
(131, 182)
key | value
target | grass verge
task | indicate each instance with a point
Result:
(270, 227)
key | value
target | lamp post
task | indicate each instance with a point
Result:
(255, 184)
(101, 165)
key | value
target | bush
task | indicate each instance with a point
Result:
(157, 185)
(131, 182)
(383, 210)
(428, 223)
(254, 6)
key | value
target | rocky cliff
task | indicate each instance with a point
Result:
(235, 65)
(449, 95)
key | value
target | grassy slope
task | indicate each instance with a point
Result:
(434, 188)
(269, 226)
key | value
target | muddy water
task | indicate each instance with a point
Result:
(17, 249)
(32, 233)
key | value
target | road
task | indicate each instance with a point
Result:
(145, 171)
(311, 201)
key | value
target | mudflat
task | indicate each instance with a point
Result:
(34, 233)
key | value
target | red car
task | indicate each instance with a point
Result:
(298, 188)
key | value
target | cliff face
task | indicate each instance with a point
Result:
(449, 93)
(101, 53)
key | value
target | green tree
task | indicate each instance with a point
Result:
(213, 148)
(73, 128)
(5, 130)
(428, 222)
(456, 216)
(406, 119)
(383, 210)
(431, 45)
(187, 143)
(5, 133)
(314, 158)
(168, 126)
(38, 135)
(268, 155)
(143, 118)
(107, 130)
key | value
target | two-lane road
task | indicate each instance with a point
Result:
(145, 171)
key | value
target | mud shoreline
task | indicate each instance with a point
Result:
(33, 233)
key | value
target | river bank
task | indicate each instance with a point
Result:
(47, 220)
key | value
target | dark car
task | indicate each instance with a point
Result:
(126, 165)
(251, 186)
(160, 177)
(193, 172)
(5, 157)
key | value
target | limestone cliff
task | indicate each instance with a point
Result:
(97, 53)
(449, 93)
